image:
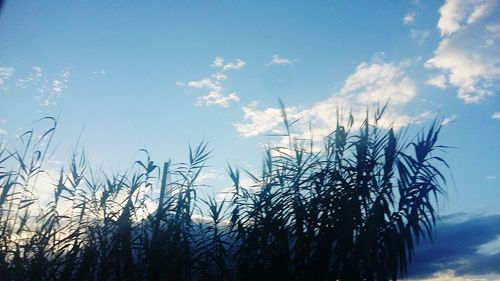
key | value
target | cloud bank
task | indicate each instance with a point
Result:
(370, 84)
(465, 245)
(468, 57)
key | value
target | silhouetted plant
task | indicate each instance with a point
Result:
(352, 209)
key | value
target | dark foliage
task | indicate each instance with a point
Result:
(353, 209)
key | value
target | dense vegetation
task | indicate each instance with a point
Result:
(352, 210)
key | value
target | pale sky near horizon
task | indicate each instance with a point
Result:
(162, 75)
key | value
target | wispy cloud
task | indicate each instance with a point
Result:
(216, 98)
(47, 87)
(495, 115)
(409, 18)
(35, 79)
(448, 120)
(215, 84)
(211, 174)
(419, 36)
(369, 85)
(468, 53)
(277, 60)
(52, 88)
(220, 63)
(491, 248)
(99, 72)
(5, 74)
(6, 71)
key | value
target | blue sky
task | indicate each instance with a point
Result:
(167, 74)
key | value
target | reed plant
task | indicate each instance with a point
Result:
(354, 208)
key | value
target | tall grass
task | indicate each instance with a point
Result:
(353, 210)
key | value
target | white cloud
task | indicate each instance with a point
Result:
(480, 11)
(38, 71)
(205, 83)
(495, 115)
(378, 82)
(438, 81)
(211, 173)
(48, 94)
(369, 85)
(47, 87)
(100, 72)
(449, 120)
(35, 79)
(216, 98)
(258, 121)
(214, 84)
(468, 53)
(239, 64)
(3, 132)
(6, 71)
(457, 14)
(419, 36)
(451, 15)
(491, 177)
(409, 18)
(57, 86)
(220, 63)
(5, 74)
(277, 60)
(490, 248)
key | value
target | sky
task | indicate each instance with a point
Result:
(163, 75)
